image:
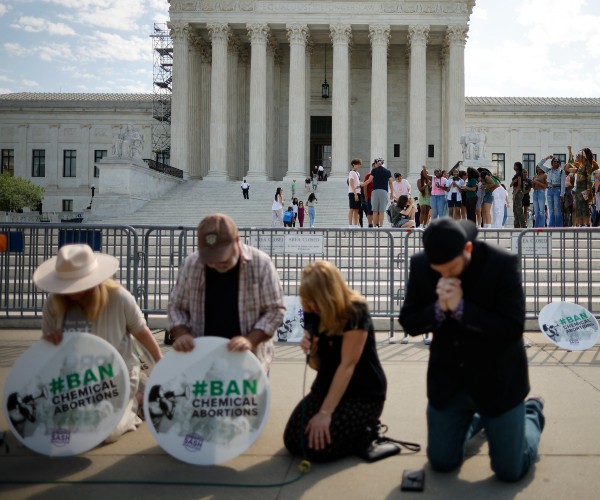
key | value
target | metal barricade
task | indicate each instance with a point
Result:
(557, 264)
(364, 257)
(28, 245)
(560, 265)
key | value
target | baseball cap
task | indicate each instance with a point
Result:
(217, 237)
(445, 239)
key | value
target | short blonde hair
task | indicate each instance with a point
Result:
(323, 284)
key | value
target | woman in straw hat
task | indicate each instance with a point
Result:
(84, 298)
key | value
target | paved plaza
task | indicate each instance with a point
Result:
(136, 467)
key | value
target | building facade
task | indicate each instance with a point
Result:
(248, 77)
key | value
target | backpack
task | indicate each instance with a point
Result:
(288, 215)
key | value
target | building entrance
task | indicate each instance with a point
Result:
(320, 142)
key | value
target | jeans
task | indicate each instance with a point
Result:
(555, 216)
(438, 202)
(311, 216)
(513, 436)
(539, 207)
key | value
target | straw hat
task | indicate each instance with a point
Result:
(75, 269)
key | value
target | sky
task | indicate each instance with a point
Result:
(516, 48)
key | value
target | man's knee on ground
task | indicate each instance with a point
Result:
(444, 463)
(510, 472)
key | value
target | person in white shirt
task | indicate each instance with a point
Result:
(454, 186)
(400, 187)
(354, 193)
(245, 190)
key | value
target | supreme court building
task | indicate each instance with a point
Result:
(250, 84)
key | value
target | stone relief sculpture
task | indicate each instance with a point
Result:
(473, 144)
(129, 143)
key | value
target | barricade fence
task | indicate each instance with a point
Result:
(557, 264)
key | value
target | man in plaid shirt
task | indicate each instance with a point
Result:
(226, 289)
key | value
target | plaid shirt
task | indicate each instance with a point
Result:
(260, 298)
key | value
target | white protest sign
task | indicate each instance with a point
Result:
(209, 405)
(66, 399)
(569, 326)
(292, 328)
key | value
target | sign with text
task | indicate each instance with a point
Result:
(304, 244)
(209, 405)
(538, 245)
(569, 326)
(273, 244)
(66, 399)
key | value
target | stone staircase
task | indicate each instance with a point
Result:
(188, 203)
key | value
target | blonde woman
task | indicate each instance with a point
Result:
(349, 391)
(84, 298)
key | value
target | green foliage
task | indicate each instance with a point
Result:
(17, 193)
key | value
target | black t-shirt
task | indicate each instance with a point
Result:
(380, 178)
(368, 378)
(221, 311)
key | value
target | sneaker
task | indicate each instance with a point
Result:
(426, 340)
(535, 397)
(404, 340)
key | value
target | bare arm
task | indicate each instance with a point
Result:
(317, 429)
(146, 338)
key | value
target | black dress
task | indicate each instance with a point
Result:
(362, 402)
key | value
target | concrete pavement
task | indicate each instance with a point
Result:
(136, 467)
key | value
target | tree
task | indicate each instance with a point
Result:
(17, 193)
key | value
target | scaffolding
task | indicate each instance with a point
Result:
(162, 46)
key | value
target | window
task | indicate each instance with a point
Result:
(529, 163)
(163, 157)
(38, 163)
(69, 163)
(430, 151)
(98, 155)
(8, 161)
(499, 164)
(396, 150)
(67, 205)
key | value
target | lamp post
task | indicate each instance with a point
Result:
(325, 85)
(93, 188)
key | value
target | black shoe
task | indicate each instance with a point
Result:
(168, 340)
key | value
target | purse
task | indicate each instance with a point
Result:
(381, 446)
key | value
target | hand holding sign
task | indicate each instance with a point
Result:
(209, 405)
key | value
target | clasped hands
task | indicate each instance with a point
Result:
(450, 293)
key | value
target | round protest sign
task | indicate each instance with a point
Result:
(66, 399)
(569, 326)
(209, 405)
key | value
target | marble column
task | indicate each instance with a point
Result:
(379, 34)
(417, 121)
(180, 127)
(195, 118)
(257, 160)
(205, 99)
(273, 91)
(232, 108)
(219, 34)
(444, 77)
(242, 128)
(456, 37)
(298, 36)
(308, 57)
(341, 34)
